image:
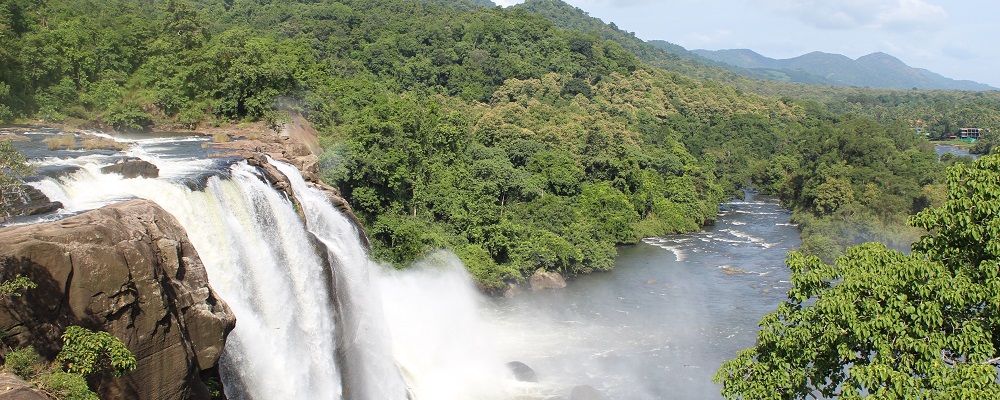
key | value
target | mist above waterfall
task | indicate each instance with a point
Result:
(440, 339)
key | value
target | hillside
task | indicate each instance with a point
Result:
(496, 133)
(876, 70)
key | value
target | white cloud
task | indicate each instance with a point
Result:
(872, 14)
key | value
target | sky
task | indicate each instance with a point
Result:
(959, 39)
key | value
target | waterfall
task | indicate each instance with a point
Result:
(316, 317)
(259, 258)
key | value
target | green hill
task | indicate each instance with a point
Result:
(517, 142)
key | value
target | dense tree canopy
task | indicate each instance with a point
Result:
(885, 324)
(525, 137)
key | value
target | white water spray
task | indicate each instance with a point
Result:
(316, 318)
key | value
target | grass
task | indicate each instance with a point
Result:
(56, 142)
(220, 137)
(100, 143)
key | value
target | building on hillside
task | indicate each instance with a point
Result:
(971, 133)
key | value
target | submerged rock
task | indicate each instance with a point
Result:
(522, 372)
(128, 269)
(132, 167)
(585, 392)
(543, 279)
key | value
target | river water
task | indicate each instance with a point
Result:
(656, 327)
(661, 323)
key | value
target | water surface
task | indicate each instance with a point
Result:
(659, 325)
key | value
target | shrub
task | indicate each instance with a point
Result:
(15, 285)
(23, 362)
(85, 351)
(66, 386)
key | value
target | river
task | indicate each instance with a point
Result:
(660, 324)
(656, 327)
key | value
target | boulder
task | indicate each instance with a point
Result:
(543, 279)
(585, 392)
(132, 167)
(31, 201)
(522, 372)
(512, 290)
(128, 269)
(13, 387)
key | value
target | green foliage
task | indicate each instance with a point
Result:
(66, 386)
(214, 388)
(884, 324)
(128, 116)
(23, 361)
(16, 285)
(85, 352)
(445, 122)
(13, 167)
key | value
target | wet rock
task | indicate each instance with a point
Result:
(585, 392)
(14, 137)
(543, 279)
(128, 269)
(30, 201)
(54, 172)
(512, 290)
(133, 168)
(522, 372)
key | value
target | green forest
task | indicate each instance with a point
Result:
(537, 137)
(520, 138)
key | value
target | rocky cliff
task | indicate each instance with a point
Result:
(297, 144)
(127, 269)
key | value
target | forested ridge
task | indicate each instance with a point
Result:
(487, 131)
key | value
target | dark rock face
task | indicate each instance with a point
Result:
(542, 280)
(31, 202)
(127, 269)
(585, 392)
(13, 387)
(522, 372)
(133, 168)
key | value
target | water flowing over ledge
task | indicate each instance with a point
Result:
(316, 318)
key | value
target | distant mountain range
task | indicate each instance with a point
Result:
(876, 70)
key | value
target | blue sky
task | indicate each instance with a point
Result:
(959, 39)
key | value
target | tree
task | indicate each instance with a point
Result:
(13, 166)
(884, 324)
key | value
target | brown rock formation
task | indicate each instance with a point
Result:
(133, 168)
(30, 201)
(543, 279)
(13, 387)
(297, 144)
(127, 269)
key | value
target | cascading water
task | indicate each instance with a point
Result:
(317, 319)
(257, 254)
(310, 319)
